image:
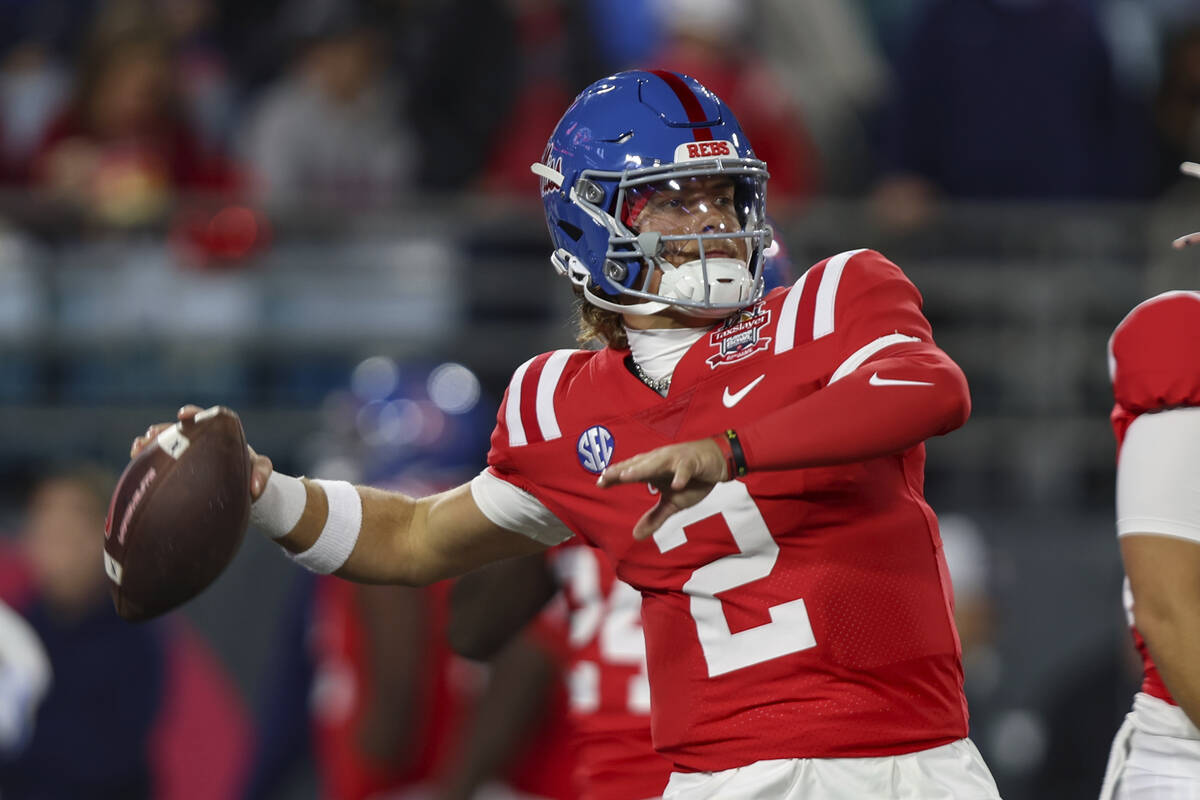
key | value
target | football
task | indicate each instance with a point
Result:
(178, 515)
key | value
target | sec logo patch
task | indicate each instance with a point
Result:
(595, 449)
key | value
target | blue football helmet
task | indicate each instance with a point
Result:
(624, 139)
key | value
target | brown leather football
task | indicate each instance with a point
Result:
(178, 515)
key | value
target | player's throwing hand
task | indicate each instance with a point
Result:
(260, 466)
(683, 474)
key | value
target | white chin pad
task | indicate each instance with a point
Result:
(728, 279)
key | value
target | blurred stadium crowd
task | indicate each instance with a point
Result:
(302, 208)
(114, 109)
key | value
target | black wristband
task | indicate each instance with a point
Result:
(737, 455)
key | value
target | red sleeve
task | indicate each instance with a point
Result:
(1152, 354)
(920, 393)
(888, 388)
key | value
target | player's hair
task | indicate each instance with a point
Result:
(599, 325)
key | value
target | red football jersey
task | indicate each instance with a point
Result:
(609, 688)
(1152, 363)
(341, 694)
(797, 613)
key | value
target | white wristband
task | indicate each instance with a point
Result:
(279, 507)
(337, 539)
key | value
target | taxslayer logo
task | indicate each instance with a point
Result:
(693, 151)
(739, 337)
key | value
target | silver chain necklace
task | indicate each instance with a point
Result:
(660, 385)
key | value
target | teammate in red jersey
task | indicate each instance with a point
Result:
(752, 465)
(604, 654)
(1156, 419)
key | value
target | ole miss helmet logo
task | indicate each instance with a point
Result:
(694, 151)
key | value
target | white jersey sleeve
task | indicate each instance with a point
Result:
(516, 510)
(1158, 475)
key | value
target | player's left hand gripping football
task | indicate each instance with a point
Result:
(260, 466)
(683, 474)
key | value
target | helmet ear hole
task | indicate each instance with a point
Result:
(573, 231)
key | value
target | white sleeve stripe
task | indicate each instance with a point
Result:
(866, 351)
(547, 383)
(827, 293)
(785, 331)
(1158, 475)
(516, 510)
(512, 412)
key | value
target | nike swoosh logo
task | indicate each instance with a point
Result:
(731, 400)
(878, 381)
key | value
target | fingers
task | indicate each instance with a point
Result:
(653, 519)
(260, 471)
(188, 411)
(676, 465)
(1186, 241)
(684, 470)
(655, 465)
(143, 441)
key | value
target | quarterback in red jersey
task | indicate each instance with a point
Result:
(752, 465)
(1156, 419)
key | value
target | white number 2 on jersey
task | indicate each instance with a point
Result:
(789, 630)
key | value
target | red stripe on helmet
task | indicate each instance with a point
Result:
(691, 105)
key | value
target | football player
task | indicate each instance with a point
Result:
(604, 656)
(1156, 419)
(603, 646)
(752, 465)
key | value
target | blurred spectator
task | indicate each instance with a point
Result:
(135, 711)
(121, 149)
(833, 70)
(707, 39)
(554, 63)
(25, 677)
(33, 86)
(466, 73)
(332, 130)
(1005, 99)
(207, 85)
